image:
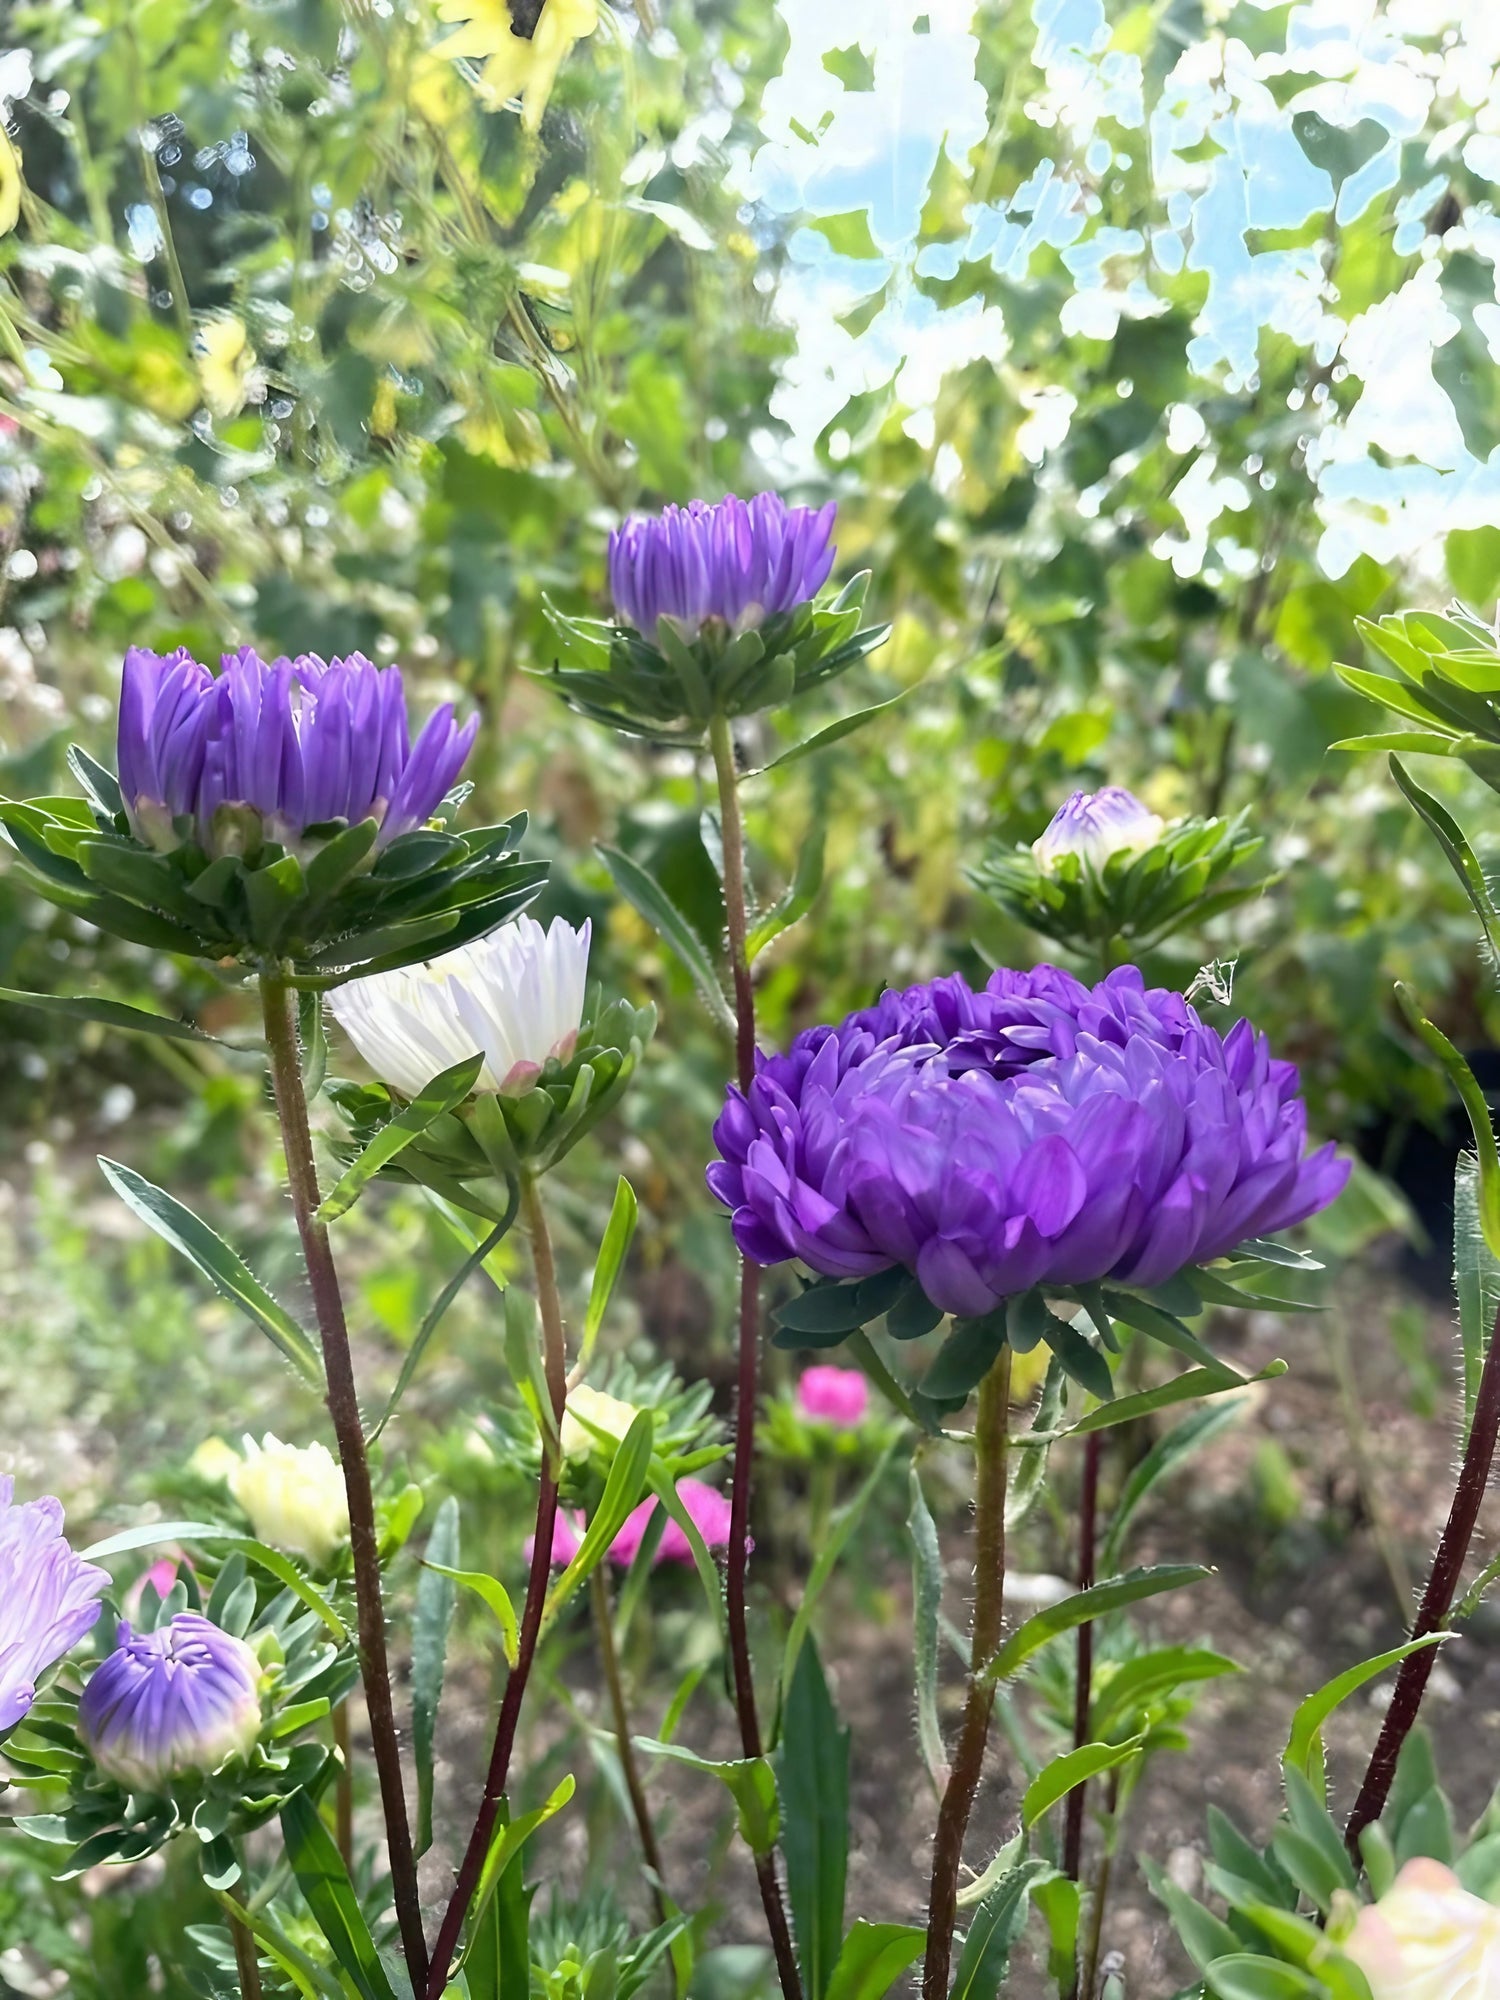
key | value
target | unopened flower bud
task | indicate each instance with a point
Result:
(591, 1407)
(294, 1496)
(1095, 825)
(172, 1703)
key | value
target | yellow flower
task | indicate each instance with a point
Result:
(606, 1413)
(10, 184)
(225, 359)
(1428, 1939)
(512, 66)
(295, 1498)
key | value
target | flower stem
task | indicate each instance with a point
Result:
(246, 1960)
(1088, 1513)
(278, 1009)
(737, 927)
(554, 1358)
(1101, 1894)
(992, 1470)
(1437, 1599)
(604, 1626)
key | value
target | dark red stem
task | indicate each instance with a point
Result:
(1437, 1599)
(1088, 1513)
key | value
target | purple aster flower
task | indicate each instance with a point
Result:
(183, 1699)
(1095, 825)
(1038, 1132)
(48, 1598)
(738, 561)
(300, 742)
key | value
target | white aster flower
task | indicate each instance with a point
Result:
(1428, 1938)
(515, 996)
(586, 1406)
(294, 1496)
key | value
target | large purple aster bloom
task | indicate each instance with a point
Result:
(1037, 1132)
(49, 1597)
(739, 561)
(166, 1704)
(300, 742)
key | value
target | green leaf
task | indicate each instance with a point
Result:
(110, 1014)
(223, 1267)
(646, 895)
(966, 1356)
(1304, 1747)
(507, 1843)
(1205, 1937)
(1310, 1847)
(1476, 1279)
(1079, 1357)
(750, 1781)
(1475, 1103)
(493, 1593)
(1461, 857)
(1055, 1780)
(436, 1597)
(998, 1922)
(1085, 1605)
(1186, 1388)
(324, 1882)
(927, 1604)
(1243, 1976)
(413, 1356)
(873, 1958)
(801, 894)
(1164, 1457)
(1130, 1685)
(622, 1490)
(834, 732)
(1059, 1901)
(1169, 1330)
(613, 1250)
(271, 1560)
(435, 1100)
(665, 1488)
(812, 1775)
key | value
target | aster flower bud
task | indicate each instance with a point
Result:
(275, 810)
(295, 1497)
(830, 1395)
(174, 1703)
(49, 1598)
(550, 1064)
(585, 1407)
(715, 612)
(1095, 826)
(1428, 1938)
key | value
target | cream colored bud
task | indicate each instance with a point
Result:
(295, 1497)
(587, 1407)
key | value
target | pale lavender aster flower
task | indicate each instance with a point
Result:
(1096, 825)
(49, 1598)
(167, 1704)
(832, 1395)
(300, 742)
(1046, 1134)
(738, 561)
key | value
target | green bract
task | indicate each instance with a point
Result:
(670, 691)
(305, 1675)
(1136, 898)
(329, 912)
(1446, 687)
(473, 1153)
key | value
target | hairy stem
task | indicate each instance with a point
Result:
(554, 1357)
(278, 1009)
(737, 927)
(609, 1659)
(992, 1468)
(1101, 1895)
(1437, 1599)
(1088, 1512)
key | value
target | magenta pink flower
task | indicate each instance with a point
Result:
(706, 1508)
(567, 1538)
(837, 1396)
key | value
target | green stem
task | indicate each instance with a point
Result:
(343, 1797)
(737, 928)
(992, 1469)
(278, 1006)
(554, 1357)
(246, 1960)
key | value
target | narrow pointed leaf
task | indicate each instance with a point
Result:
(646, 895)
(432, 1102)
(436, 1596)
(325, 1884)
(1055, 1780)
(1085, 1605)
